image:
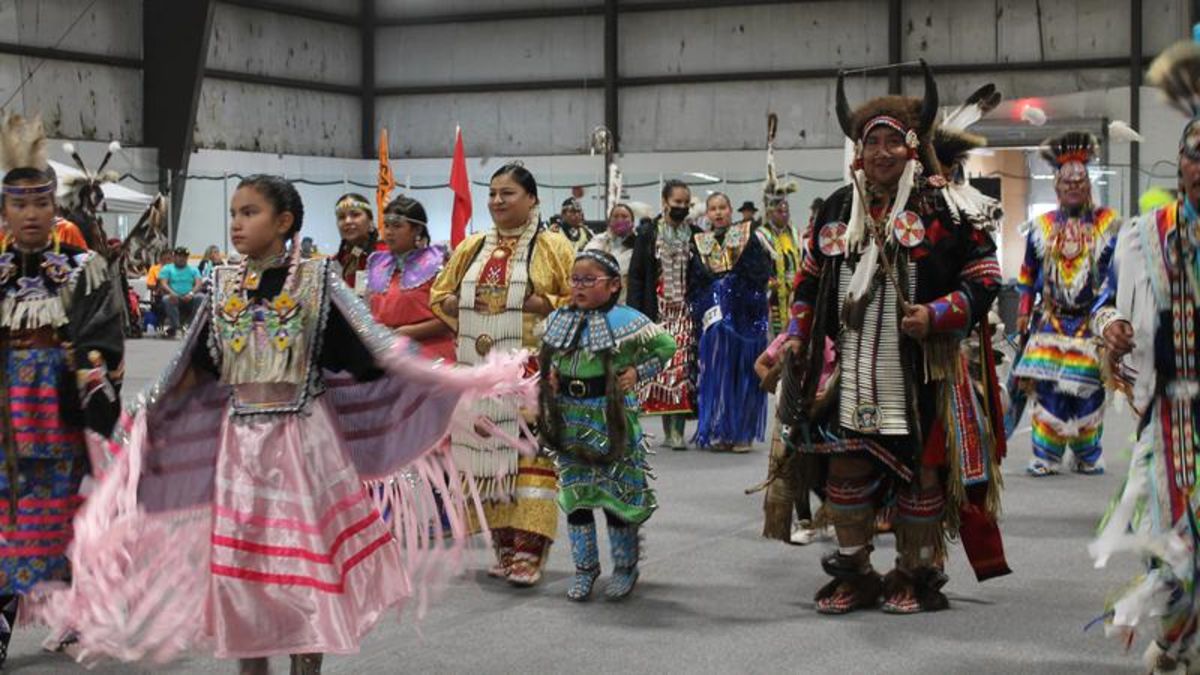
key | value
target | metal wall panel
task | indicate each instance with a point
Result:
(77, 100)
(387, 9)
(733, 116)
(112, 27)
(1164, 22)
(343, 7)
(237, 116)
(263, 43)
(1021, 84)
(982, 31)
(482, 52)
(535, 123)
(757, 37)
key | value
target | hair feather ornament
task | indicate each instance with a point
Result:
(774, 190)
(952, 143)
(23, 143)
(1177, 73)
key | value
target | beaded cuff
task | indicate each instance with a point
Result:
(949, 313)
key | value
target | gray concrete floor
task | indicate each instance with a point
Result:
(715, 597)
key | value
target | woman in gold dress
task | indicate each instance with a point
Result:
(498, 286)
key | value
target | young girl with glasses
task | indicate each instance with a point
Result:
(595, 353)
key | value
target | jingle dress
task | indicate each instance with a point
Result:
(258, 539)
(588, 348)
(727, 291)
(1066, 261)
(658, 279)
(1155, 285)
(398, 293)
(492, 274)
(57, 314)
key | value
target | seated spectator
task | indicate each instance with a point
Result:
(212, 258)
(153, 289)
(180, 284)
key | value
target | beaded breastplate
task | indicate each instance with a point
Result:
(266, 348)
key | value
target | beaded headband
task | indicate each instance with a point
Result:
(884, 120)
(351, 204)
(605, 260)
(27, 190)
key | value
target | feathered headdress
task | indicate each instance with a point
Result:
(951, 140)
(23, 144)
(1177, 73)
(951, 143)
(775, 191)
(147, 240)
(83, 193)
(1073, 146)
(912, 117)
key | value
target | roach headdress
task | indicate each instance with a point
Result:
(1071, 147)
(23, 156)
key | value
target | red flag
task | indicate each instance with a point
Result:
(461, 185)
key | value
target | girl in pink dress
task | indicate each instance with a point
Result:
(231, 514)
(399, 279)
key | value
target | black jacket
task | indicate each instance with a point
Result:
(645, 269)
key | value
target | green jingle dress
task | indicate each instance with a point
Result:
(590, 425)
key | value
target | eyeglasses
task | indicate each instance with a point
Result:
(587, 281)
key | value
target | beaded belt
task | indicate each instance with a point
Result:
(588, 387)
(37, 338)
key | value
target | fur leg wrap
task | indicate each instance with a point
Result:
(855, 584)
(909, 591)
(781, 494)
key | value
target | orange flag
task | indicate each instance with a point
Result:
(387, 182)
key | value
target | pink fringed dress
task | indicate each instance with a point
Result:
(231, 515)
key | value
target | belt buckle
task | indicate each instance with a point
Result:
(484, 344)
(576, 388)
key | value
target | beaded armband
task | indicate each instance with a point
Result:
(1103, 318)
(949, 313)
(802, 318)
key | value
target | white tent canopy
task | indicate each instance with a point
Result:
(119, 198)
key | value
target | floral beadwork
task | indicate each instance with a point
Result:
(56, 267)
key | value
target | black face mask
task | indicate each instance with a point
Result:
(677, 213)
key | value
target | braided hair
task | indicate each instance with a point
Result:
(284, 198)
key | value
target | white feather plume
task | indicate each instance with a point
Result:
(1123, 133)
(1034, 115)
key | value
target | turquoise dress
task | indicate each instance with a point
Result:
(601, 460)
